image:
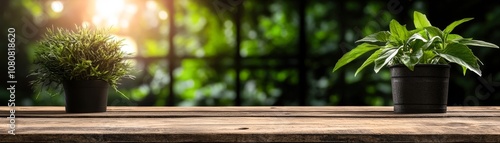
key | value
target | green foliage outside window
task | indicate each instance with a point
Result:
(204, 72)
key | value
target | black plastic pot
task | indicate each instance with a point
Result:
(423, 90)
(86, 96)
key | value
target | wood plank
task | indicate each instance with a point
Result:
(234, 129)
(252, 124)
(165, 114)
(250, 108)
(150, 112)
(249, 138)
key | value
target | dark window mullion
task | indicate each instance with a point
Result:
(171, 57)
(237, 20)
(302, 54)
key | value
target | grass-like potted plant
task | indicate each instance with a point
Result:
(85, 62)
(418, 60)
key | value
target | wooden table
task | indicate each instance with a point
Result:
(252, 124)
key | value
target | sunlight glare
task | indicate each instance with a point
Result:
(85, 24)
(96, 20)
(131, 9)
(162, 15)
(151, 5)
(129, 45)
(109, 8)
(113, 13)
(57, 6)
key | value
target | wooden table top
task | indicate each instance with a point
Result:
(252, 124)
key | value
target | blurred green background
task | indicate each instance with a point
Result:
(249, 52)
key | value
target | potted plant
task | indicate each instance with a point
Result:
(418, 61)
(85, 62)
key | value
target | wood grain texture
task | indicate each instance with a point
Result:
(252, 124)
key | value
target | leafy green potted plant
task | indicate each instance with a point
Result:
(418, 60)
(85, 62)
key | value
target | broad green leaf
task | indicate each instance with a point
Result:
(438, 60)
(369, 61)
(354, 54)
(434, 31)
(427, 57)
(417, 52)
(394, 40)
(417, 43)
(407, 61)
(420, 20)
(411, 32)
(431, 41)
(477, 43)
(462, 55)
(398, 30)
(454, 37)
(411, 57)
(382, 36)
(423, 32)
(385, 57)
(452, 26)
(416, 36)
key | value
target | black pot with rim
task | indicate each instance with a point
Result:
(423, 90)
(86, 96)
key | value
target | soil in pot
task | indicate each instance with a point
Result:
(86, 96)
(423, 90)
